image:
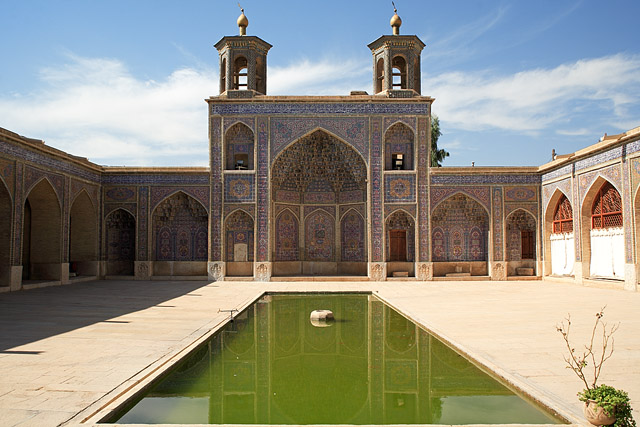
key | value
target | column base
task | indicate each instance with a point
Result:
(15, 278)
(216, 271)
(498, 270)
(424, 271)
(377, 271)
(262, 271)
(143, 270)
(631, 277)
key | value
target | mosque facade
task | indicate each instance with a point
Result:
(331, 186)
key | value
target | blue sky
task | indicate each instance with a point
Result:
(123, 82)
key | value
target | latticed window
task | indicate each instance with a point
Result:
(563, 217)
(607, 208)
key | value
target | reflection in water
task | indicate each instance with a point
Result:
(374, 366)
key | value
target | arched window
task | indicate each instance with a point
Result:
(240, 75)
(379, 75)
(399, 66)
(607, 208)
(563, 216)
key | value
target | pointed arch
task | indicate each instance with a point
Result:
(180, 229)
(287, 235)
(120, 242)
(239, 236)
(83, 236)
(379, 75)
(6, 223)
(399, 144)
(42, 233)
(559, 240)
(400, 237)
(521, 227)
(452, 222)
(352, 234)
(399, 73)
(240, 73)
(239, 146)
(602, 231)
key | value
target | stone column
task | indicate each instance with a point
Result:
(262, 265)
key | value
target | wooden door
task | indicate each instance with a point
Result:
(528, 244)
(398, 245)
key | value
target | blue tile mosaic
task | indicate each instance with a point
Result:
(484, 179)
(320, 108)
(565, 170)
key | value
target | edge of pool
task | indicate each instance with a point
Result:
(122, 395)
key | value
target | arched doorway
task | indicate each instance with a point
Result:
(400, 246)
(521, 243)
(6, 219)
(603, 231)
(41, 243)
(560, 253)
(459, 236)
(120, 243)
(314, 183)
(83, 237)
(239, 243)
(180, 237)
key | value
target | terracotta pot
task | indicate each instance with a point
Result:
(596, 415)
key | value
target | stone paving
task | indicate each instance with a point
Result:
(68, 352)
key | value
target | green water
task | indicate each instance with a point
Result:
(371, 366)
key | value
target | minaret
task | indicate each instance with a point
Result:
(396, 61)
(243, 62)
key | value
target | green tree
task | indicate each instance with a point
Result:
(437, 155)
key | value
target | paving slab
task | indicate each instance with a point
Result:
(66, 351)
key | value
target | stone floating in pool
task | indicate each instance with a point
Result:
(321, 318)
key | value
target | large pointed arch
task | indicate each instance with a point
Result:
(459, 236)
(180, 229)
(6, 221)
(42, 234)
(602, 231)
(321, 177)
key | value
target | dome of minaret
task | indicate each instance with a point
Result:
(243, 23)
(395, 22)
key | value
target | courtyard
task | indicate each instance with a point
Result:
(70, 354)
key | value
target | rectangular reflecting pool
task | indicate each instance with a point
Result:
(370, 365)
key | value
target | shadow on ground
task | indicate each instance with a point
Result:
(36, 314)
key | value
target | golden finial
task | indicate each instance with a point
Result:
(243, 22)
(396, 22)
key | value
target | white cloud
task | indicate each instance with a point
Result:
(538, 99)
(94, 107)
(326, 77)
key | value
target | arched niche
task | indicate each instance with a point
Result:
(180, 237)
(353, 238)
(42, 234)
(400, 245)
(602, 231)
(459, 236)
(287, 232)
(239, 143)
(83, 237)
(239, 244)
(521, 242)
(559, 239)
(399, 147)
(316, 179)
(223, 75)
(120, 243)
(6, 221)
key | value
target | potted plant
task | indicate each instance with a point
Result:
(604, 405)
